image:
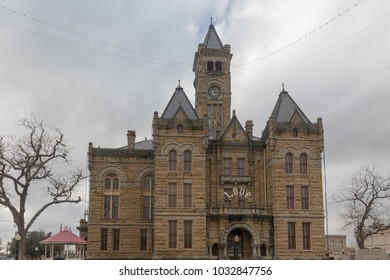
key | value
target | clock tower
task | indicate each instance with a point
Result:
(212, 80)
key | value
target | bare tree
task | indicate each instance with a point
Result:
(31, 163)
(365, 201)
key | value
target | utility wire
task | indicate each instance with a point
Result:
(87, 47)
(302, 37)
(356, 69)
(88, 37)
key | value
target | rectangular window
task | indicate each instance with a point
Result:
(187, 195)
(103, 239)
(291, 235)
(240, 167)
(290, 197)
(115, 207)
(187, 160)
(172, 195)
(144, 240)
(172, 234)
(241, 200)
(306, 236)
(107, 206)
(187, 234)
(115, 239)
(111, 206)
(305, 197)
(172, 160)
(218, 66)
(227, 166)
(210, 66)
(228, 195)
(147, 207)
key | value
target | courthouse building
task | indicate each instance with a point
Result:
(207, 186)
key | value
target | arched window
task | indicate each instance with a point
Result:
(172, 158)
(303, 163)
(148, 183)
(187, 157)
(289, 163)
(111, 197)
(148, 198)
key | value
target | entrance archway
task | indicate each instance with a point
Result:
(239, 241)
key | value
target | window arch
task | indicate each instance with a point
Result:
(303, 163)
(148, 183)
(187, 160)
(172, 160)
(289, 163)
(111, 181)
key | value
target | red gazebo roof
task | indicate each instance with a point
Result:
(64, 237)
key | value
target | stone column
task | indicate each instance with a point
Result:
(223, 251)
(256, 251)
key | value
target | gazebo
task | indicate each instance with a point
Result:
(65, 238)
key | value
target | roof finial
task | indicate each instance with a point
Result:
(211, 21)
(282, 86)
(179, 82)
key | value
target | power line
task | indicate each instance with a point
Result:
(302, 37)
(57, 27)
(85, 46)
(356, 69)
(340, 42)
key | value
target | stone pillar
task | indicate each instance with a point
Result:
(256, 251)
(223, 251)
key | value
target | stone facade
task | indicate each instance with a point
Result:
(204, 186)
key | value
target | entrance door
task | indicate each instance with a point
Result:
(235, 241)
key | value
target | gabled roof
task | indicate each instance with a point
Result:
(234, 130)
(64, 237)
(286, 108)
(212, 40)
(179, 100)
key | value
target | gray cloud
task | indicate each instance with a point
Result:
(95, 84)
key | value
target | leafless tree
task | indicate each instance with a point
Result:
(37, 161)
(365, 202)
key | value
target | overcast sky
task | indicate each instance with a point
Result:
(99, 68)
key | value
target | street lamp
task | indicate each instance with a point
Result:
(17, 239)
(36, 253)
(236, 239)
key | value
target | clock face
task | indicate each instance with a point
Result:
(214, 92)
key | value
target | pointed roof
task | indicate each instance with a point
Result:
(179, 100)
(286, 108)
(212, 40)
(64, 237)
